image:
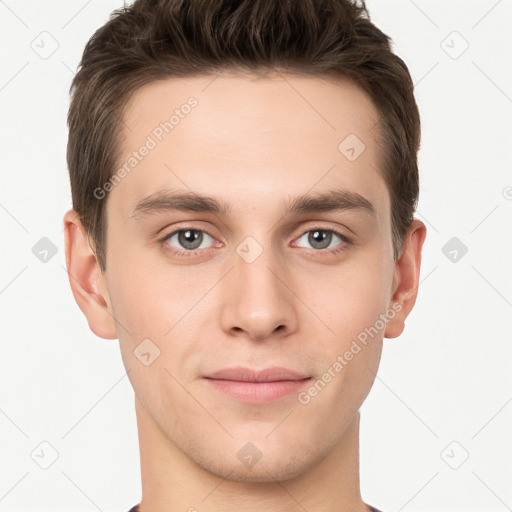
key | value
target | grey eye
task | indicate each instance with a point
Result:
(189, 239)
(320, 238)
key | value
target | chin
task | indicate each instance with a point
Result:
(260, 473)
(273, 464)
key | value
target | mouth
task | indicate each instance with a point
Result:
(257, 387)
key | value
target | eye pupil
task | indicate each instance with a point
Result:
(189, 238)
(321, 237)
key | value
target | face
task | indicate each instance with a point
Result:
(252, 276)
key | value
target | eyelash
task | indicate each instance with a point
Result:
(342, 246)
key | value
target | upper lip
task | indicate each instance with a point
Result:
(243, 374)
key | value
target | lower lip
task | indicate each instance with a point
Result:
(258, 392)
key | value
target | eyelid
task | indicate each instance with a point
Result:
(345, 240)
(318, 225)
(323, 227)
(167, 231)
(162, 239)
(327, 226)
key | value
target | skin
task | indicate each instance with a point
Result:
(254, 143)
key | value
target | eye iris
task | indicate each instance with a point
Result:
(320, 236)
(190, 239)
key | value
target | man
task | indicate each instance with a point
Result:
(244, 179)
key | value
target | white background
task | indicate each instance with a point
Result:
(446, 379)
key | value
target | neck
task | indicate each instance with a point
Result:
(172, 482)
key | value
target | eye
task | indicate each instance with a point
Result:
(188, 239)
(188, 242)
(322, 239)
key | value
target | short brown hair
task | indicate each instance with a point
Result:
(155, 39)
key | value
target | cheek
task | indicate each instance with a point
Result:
(164, 305)
(148, 299)
(348, 299)
(350, 303)
(150, 305)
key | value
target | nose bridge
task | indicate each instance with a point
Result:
(257, 301)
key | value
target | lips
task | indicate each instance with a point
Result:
(242, 374)
(257, 386)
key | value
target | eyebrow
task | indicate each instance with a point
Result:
(333, 200)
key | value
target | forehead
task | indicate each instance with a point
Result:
(246, 137)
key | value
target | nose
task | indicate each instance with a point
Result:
(257, 301)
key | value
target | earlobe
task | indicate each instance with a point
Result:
(88, 283)
(406, 278)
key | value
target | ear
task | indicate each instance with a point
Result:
(406, 278)
(88, 283)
